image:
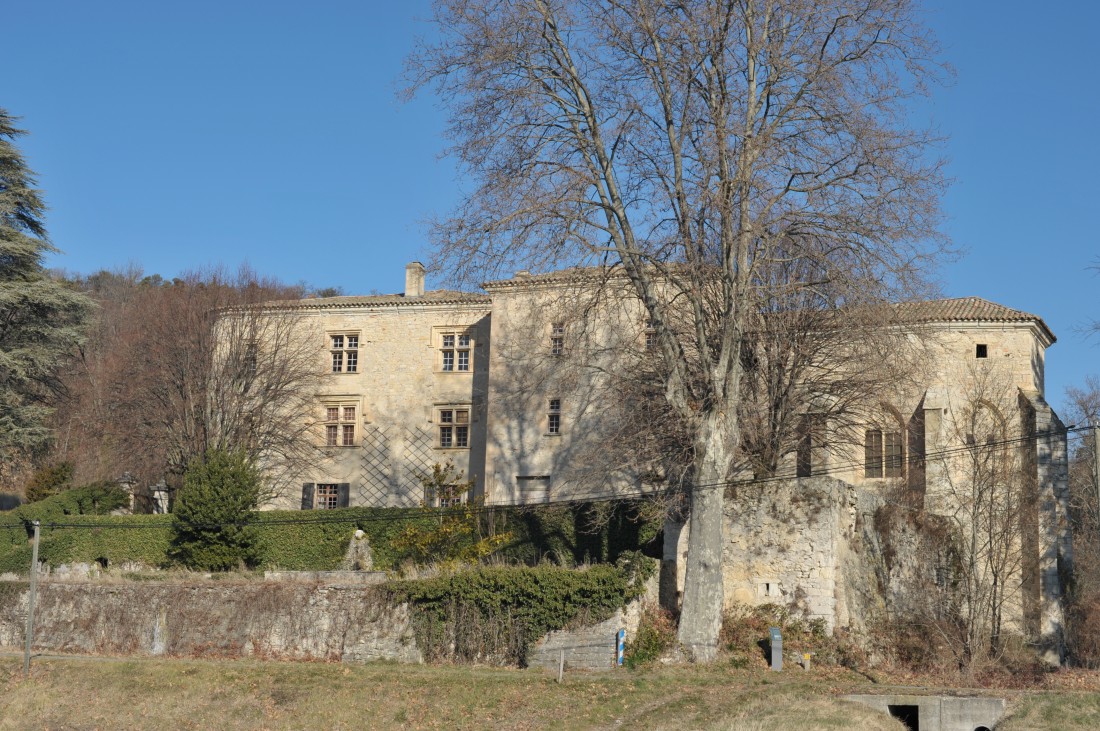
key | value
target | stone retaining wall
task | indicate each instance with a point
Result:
(289, 620)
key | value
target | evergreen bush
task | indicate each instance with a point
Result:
(214, 515)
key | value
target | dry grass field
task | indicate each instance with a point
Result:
(163, 694)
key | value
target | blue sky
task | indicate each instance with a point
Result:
(176, 135)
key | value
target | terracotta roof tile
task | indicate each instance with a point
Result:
(966, 309)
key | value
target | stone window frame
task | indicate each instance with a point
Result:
(553, 417)
(452, 432)
(454, 346)
(343, 347)
(313, 492)
(339, 428)
(557, 339)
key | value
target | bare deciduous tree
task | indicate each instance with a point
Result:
(173, 370)
(694, 147)
(986, 500)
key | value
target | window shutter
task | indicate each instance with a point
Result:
(344, 496)
(307, 496)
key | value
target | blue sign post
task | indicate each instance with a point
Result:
(620, 647)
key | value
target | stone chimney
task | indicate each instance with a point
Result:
(414, 279)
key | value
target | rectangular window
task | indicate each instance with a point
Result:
(450, 496)
(894, 454)
(533, 488)
(446, 496)
(328, 497)
(455, 351)
(981, 351)
(557, 338)
(340, 425)
(650, 335)
(811, 441)
(553, 417)
(345, 353)
(884, 454)
(872, 453)
(454, 428)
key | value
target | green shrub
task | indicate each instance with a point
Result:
(582, 533)
(497, 612)
(98, 498)
(214, 512)
(450, 535)
(49, 481)
(744, 636)
(656, 636)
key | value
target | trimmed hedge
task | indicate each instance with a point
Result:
(317, 540)
(314, 541)
(583, 533)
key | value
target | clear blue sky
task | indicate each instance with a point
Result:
(175, 135)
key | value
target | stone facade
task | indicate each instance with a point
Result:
(526, 374)
(378, 413)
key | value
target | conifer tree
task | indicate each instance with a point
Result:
(41, 318)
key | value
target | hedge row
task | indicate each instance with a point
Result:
(317, 541)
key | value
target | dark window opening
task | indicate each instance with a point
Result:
(982, 351)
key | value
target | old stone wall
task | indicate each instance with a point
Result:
(285, 620)
(820, 546)
(786, 544)
(291, 620)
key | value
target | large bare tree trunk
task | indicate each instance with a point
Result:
(701, 613)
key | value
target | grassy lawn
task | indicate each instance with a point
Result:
(85, 693)
(89, 693)
(1054, 710)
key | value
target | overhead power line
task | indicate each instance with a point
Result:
(573, 499)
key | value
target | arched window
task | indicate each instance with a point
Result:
(986, 438)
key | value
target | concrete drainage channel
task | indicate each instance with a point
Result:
(938, 713)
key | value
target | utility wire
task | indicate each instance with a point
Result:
(574, 498)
